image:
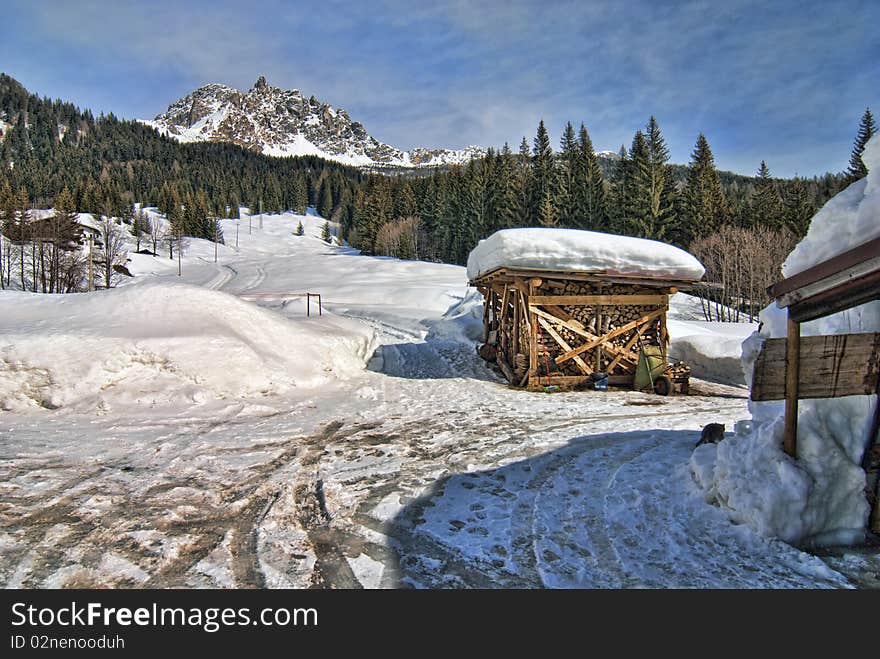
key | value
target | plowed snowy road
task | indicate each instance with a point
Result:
(425, 471)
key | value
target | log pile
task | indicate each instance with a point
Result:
(567, 329)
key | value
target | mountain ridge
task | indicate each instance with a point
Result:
(279, 122)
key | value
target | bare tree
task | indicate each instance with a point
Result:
(156, 233)
(114, 251)
(743, 263)
(404, 239)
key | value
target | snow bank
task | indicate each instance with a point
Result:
(712, 350)
(462, 322)
(590, 251)
(156, 343)
(819, 498)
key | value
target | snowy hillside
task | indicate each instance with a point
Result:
(280, 122)
(203, 431)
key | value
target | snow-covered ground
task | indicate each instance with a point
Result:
(207, 433)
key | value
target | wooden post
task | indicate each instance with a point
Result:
(516, 315)
(487, 304)
(662, 337)
(792, 374)
(533, 338)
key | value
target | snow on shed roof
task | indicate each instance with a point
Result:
(582, 251)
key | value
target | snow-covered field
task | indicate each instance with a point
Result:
(203, 431)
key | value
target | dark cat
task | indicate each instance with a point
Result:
(712, 434)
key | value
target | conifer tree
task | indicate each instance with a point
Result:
(638, 220)
(661, 191)
(589, 187)
(566, 184)
(619, 202)
(300, 230)
(523, 186)
(543, 172)
(705, 206)
(799, 207)
(21, 229)
(765, 206)
(300, 194)
(507, 201)
(325, 200)
(547, 211)
(325, 232)
(404, 201)
(867, 128)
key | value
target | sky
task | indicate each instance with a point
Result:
(785, 82)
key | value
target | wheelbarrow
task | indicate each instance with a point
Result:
(651, 372)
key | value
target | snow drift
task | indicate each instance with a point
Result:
(819, 498)
(156, 343)
(589, 251)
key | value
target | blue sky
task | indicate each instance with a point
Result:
(782, 81)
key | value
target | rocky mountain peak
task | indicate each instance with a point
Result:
(287, 123)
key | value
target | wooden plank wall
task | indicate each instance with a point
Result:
(830, 366)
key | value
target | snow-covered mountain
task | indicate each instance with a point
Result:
(286, 123)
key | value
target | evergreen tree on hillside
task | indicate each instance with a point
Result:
(637, 212)
(867, 128)
(589, 187)
(661, 190)
(376, 210)
(404, 201)
(543, 180)
(523, 177)
(705, 208)
(618, 202)
(325, 200)
(300, 194)
(798, 207)
(566, 184)
(507, 202)
(765, 206)
(325, 232)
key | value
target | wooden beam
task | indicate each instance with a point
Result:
(607, 337)
(847, 295)
(562, 313)
(516, 323)
(487, 296)
(570, 325)
(663, 340)
(606, 300)
(623, 354)
(858, 255)
(597, 324)
(533, 339)
(627, 348)
(581, 364)
(830, 366)
(830, 282)
(792, 376)
(525, 306)
(505, 369)
(579, 275)
(568, 381)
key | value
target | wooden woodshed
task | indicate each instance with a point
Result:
(570, 328)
